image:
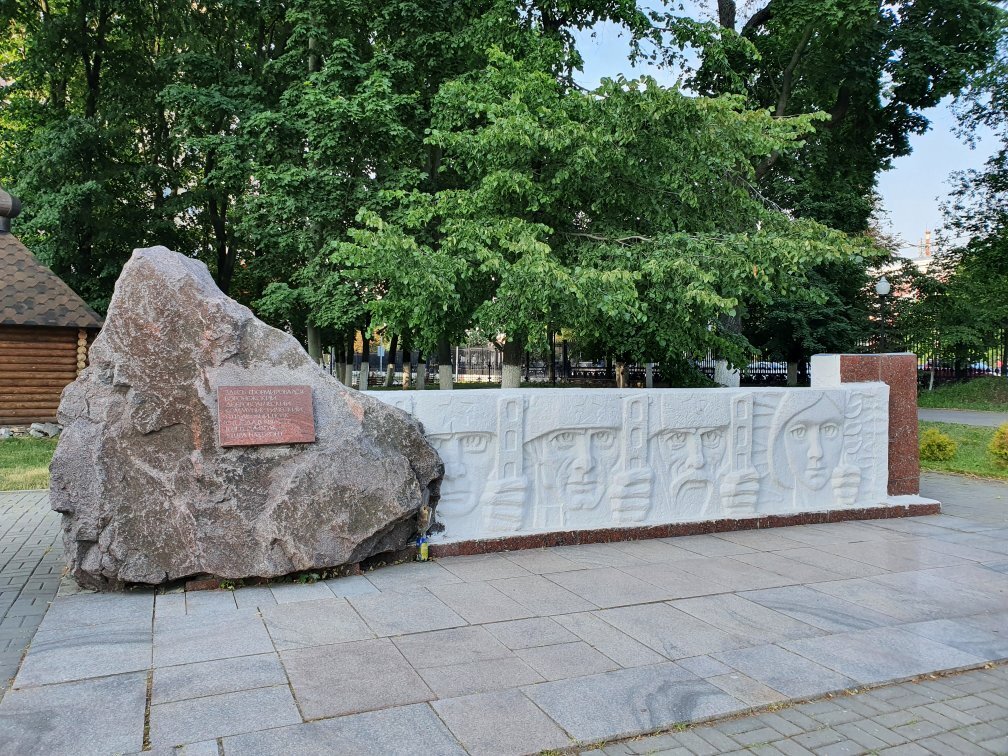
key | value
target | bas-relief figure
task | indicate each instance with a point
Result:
(544, 460)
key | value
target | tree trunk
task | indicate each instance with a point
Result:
(514, 349)
(390, 369)
(649, 375)
(620, 373)
(350, 357)
(445, 380)
(407, 361)
(314, 343)
(365, 364)
(551, 365)
(792, 373)
(421, 369)
(565, 361)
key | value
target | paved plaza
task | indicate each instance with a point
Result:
(963, 417)
(541, 650)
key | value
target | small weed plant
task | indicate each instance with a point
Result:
(936, 446)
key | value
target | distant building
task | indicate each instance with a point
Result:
(45, 330)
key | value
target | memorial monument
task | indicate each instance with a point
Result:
(202, 441)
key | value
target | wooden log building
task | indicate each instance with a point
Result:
(45, 330)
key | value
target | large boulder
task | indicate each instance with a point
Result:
(147, 493)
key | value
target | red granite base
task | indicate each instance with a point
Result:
(610, 535)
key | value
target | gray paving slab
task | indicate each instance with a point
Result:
(314, 623)
(616, 645)
(967, 634)
(881, 654)
(746, 689)
(564, 660)
(396, 613)
(98, 609)
(408, 577)
(349, 678)
(188, 639)
(398, 731)
(629, 701)
(670, 631)
(452, 646)
(90, 651)
(288, 593)
(608, 587)
(197, 719)
(542, 596)
(819, 609)
(185, 681)
(479, 602)
(526, 633)
(483, 567)
(97, 716)
(482, 676)
(792, 674)
(351, 585)
(748, 619)
(504, 722)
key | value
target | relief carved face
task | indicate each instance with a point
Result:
(577, 463)
(469, 460)
(813, 442)
(693, 458)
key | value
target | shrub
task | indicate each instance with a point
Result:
(936, 446)
(999, 444)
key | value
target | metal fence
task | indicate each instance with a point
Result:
(939, 364)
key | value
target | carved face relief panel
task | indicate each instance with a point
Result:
(807, 437)
(576, 464)
(689, 450)
(468, 459)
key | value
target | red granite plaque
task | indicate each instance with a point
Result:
(259, 415)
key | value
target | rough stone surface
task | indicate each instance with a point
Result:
(148, 495)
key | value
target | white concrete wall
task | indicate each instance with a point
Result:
(525, 461)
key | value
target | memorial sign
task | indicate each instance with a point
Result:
(260, 415)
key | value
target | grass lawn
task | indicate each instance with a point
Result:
(988, 393)
(972, 457)
(24, 463)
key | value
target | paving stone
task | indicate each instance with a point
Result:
(90, 651)
(210, 602)
(483, 567)
(170, 604)
(483, 676)
(736, 615)
(401, 731)
(479, 602)
(184, 640)
(98, 609)
(793, 675)
(608, 587)
(541, 596)
(399, 614)
(500, 723)
(747, 690)
(214, 677)
(881, 654)
(526, 633)
(349, 678)
(314, 623)
(97, 716)
(254, 597)
(289, 593)
(618, 646)
(621, 703)
(540, 561)
(563, 660)
(221, 715)
(351, 585)
(410, 576)
(818, 609)
(453, 646)
(704, 666)
(671, 632)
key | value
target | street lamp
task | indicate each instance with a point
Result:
(883, 288)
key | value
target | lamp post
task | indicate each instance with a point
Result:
(883, 288)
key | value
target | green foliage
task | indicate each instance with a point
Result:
(998, 445)
(972, 456)
(936, 446)
(987, 393)
(24, 463)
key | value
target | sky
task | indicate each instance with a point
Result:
(912, 190)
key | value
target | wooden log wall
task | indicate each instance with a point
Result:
(36, 363)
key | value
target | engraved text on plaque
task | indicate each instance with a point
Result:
(257, 415)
